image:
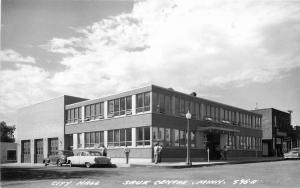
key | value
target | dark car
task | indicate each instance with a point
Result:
(59, 159)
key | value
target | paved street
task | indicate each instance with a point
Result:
(266, 174)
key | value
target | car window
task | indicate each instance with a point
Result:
(95, 153)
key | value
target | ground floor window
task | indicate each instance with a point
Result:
(94, 139)
(244, 142)
(171, 137)
(53, 146)
(143, 136)
(119, 137)
(11, 155)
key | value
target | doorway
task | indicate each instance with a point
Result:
(213, 143)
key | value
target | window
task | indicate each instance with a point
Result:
(182, 110)
(143, 136)
(119, 137)
(167, 137)
(168, 104)
(87, 113)
(93, 112)
(110, 108)
(120, 106)
(143, 102)
(117, 107)
(176, 137)
(177, 106)
(73, 115)
(182, 138)
(193, 139)
(79, 143)
(11, 155)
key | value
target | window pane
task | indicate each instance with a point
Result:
(176, 137)
(101, 137)
(79, 114)
(87, 139)
(139, 133)
(182, 110)
(167, 137)
(147, 99)
(102, 108)
(147, 133)
(161, 134)
(182, 138)
(76, 114)
(116, 137)
(140, 100)
(87, 111)
(128, 103)
(122, 105)
(128, 134)
(154, 133)
(72, 115)
(110, 136)
(93, 134)
(117, 106)
(97, 109)
(97, 139)
(177, 106)
(122, 135)
(110, 106)
(69, 116)
(168, 104)
(162, 102)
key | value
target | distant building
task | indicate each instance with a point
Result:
(139, 118)
(8, 152)
(277, 131)
(296, 137)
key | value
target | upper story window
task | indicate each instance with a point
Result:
(73, 115)
(94, 111)
(120, 106)
(143, 102)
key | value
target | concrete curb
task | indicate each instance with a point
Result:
(201, 165)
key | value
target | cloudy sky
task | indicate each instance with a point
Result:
(241, 53)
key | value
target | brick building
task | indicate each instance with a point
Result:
(138, 118)
(277, 131)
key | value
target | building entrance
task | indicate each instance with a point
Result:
(213, 143)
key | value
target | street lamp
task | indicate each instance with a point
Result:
(188, 162)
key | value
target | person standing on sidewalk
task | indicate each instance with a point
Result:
(159, 153)
(155, 152)
(126, 151)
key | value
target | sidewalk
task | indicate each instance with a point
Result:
(201, 164)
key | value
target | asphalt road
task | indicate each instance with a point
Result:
(267, 174)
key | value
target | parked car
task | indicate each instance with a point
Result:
(293, 154)
(88, 159)
(59, 159)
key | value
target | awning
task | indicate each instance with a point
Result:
(217, 128)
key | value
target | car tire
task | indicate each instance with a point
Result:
(87, 165)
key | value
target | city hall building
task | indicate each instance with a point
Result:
(139, 118)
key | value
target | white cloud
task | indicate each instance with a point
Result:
(184, 44)
(24, 86)
(10, 55)
(178, 42)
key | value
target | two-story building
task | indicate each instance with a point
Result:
(277, 131)
(140, 118)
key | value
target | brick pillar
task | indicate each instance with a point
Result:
(133, 136)
(133, 100)
(45, 147)
(105, 111)
(75, 143)
(32, 150)
(105, 138)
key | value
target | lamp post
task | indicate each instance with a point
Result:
(188, 148)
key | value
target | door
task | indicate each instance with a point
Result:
(38, 151)
(52, 146)
(213, 143)
(25, 153)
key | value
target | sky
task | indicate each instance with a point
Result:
(241, 53)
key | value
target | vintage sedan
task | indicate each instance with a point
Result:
(59, 159)
(293, 154)
(88, 159)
